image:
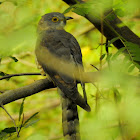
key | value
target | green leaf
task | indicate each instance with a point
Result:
(30, 118)
(9, 130)
(112, 41)
(118, 53)
(68, 9)
(80, 9)
(14, 58)
(131, 68)
(108, 57)
(111, 16)
(102, 57)
(137, 65)
(119, 12)
(21, 109)
(133, 51)
(2, 73)
(31, 123)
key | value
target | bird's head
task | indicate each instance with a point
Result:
(53, 20)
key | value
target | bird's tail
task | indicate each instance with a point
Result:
(70, 120)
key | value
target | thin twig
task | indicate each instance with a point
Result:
(21, 125)
(11, 118)
(94, 67)
(18, 74)
(101, 51)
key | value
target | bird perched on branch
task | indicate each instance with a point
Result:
(54, 42)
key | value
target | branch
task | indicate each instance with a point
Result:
(40, 85)
(64, 67)
(37, 86)
(18, 74)
(110, 28)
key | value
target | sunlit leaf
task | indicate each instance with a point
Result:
(119, 12)
(131, 68)
(80, 9)
(133, 51)
(21, 109)
(30, 118)
(109, 56)
(68, 9)
(102, 57)
(31, 123)
(118, 53)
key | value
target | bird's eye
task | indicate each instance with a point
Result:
(55, 19)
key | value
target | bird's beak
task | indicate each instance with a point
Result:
(68, 18)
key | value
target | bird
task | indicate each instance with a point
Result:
(52, 38)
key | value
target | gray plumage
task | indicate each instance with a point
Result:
(53, 37)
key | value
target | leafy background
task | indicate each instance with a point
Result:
(115, 103)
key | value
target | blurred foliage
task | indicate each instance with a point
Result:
(115, 102)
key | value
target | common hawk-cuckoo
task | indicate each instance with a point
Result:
(54, 39)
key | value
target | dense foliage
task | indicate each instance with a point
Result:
(115, 100)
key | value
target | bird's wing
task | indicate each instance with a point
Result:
(69, 41)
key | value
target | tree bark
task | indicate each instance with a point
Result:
(110, 28)
(15, 94)
(40, 85)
